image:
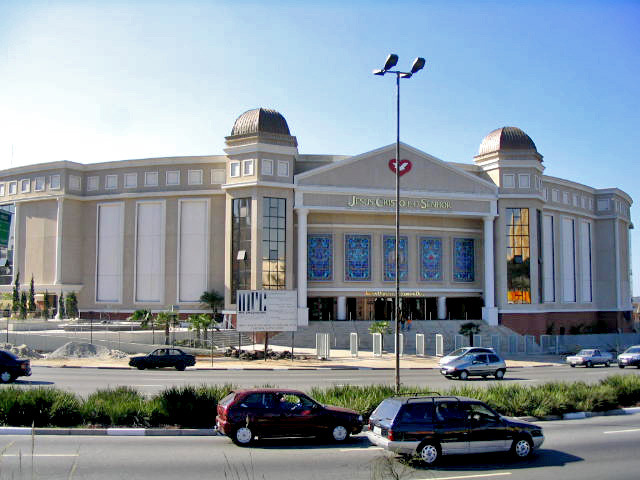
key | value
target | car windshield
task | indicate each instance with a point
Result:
(387, 410)
(585, 353)
(458, 352)
(632, 350)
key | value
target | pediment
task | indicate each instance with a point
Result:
(371, 170)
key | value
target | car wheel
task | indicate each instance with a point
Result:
(463, 375)
(180, 367)
(588, 364)
(429, 453)
(620, 366)
(242, 436)
(607, 364)
(572, 365)
(522, 447)
(339, 433)
(6, 377)
(140, 367)
(499, 374)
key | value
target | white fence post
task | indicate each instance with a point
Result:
(353, 344)
(377, 344)
(401, 344)
(420, 344)
(322, 345)
(439, 345)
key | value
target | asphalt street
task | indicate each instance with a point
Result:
(594, 448)
(84, 381)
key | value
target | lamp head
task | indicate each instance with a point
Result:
(392, 61)
(378, 72)
(418, 64)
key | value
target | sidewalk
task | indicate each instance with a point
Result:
(340, 359)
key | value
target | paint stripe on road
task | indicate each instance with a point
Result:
(623, 431)
(368, 449)
(482, 475)
(29, 455)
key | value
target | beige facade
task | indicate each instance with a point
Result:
(494, 239)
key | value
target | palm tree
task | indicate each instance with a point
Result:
(145, 317)
(165, 319)
(213, 300)
(194, 321)
(469, 329)
(205, 322)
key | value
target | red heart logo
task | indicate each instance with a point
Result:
(405, 166)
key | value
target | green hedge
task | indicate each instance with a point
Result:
(195, 406)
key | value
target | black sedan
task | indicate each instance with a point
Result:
(12, 367)
(164, 357)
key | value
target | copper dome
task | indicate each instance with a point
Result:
(506, 138)
(260, 120)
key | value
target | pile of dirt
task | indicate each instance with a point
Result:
(22, 351)
(85, 350)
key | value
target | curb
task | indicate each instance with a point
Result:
(212, 432)
(582, 415)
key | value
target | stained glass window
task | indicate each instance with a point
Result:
(430, 259)
(389, 258)
(357, 257)
(320, 257)
(463, 260)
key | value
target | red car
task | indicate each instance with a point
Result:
(244, 415)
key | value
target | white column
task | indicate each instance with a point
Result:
(489, 312)
(303, 311)
(342, 308)
(442, 308)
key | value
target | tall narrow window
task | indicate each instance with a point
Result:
(585, 261)
(548, 260)
(518, 256)
(274, 224)
(193, 249)
(240, 246)
(389, 260)
(110, 237)
(357, 258)
(7, 226)
(463, 260)
(150, 252)
(568, 260)
(319, 257)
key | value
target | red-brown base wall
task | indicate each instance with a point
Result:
(557, 323)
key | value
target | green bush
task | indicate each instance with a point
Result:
(189, 406)
(120, 406)
(627, 388)
(39, 407)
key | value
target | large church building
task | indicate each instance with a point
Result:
(494, 239)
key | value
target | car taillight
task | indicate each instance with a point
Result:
(390, 435)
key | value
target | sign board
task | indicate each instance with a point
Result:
(5, 226)
(267, 311)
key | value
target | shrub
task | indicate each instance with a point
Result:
(121, 406)
(35, 407)
(627, 388)
(189, 406)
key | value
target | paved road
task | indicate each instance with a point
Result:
(595, 448)
(86, 380)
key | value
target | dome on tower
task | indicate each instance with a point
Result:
(260, 120)
(506, 138)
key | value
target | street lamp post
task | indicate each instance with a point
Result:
(418, 64)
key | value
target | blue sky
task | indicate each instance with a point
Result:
(93, 81)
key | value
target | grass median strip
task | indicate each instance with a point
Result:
(190, 406)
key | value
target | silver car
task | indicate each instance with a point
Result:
(475, 364)
(590, 357)
(630, 357)
(460, 352)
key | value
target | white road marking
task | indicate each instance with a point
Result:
(25, 455)
(484, 475)
(368, 449)
(623, 431)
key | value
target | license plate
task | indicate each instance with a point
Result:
(377, 431)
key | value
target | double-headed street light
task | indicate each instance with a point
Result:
(418, 64)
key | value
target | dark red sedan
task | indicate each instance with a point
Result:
(244, 415)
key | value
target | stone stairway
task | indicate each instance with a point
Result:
(229, 338)
(339, 335)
